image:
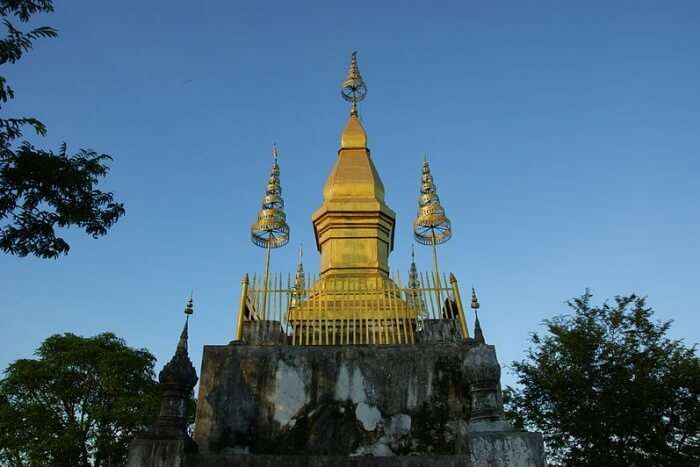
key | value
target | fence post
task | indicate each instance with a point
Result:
(458, 299)
(241, 307)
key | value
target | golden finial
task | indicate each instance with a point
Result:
(413, 281)
(432, 226)
(299, 281)
(271, 229)
(413, 296)
(354, 88)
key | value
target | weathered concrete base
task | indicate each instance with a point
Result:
(504, 449)
(262, 333)
(332, 400)
(210, 460)
(157, 453)
(491, 449)
(434, 404)
(438, 331)
(427, 404)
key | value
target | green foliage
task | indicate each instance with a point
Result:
(41, 190)
(78, 404)
(606, 386)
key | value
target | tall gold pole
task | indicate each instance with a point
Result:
(458, 299)
(437, 274)
(241, 307)
(265, 284)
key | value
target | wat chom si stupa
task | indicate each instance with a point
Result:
(351, 366)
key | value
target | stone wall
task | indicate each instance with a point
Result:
(352, 400)
(432, 404)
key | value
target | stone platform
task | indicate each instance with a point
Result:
(434, 403)
(493, 449)
(330, 400)
(396, 403)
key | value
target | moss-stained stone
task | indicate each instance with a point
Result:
(380, 400)
(354, 406)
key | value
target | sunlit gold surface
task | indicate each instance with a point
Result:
(354, 233)
(354, 135)
(431, 226)
(353, 300)
(270, 230)
(339, 311)
(353, 88)
(354, 227)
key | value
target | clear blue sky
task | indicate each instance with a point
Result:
(563, 138)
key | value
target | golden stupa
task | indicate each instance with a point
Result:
(354, 300)
(354, 230)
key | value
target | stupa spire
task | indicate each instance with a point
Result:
(354, 88)
(478, 333)
(182, 343)
(413, 281)
(179, 369)
(299, 280)
(413, 295)
(354, 228)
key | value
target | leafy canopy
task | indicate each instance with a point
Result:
(78, 404)
(606, 386)
(41, 190)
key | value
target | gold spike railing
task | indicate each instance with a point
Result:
(349, 312)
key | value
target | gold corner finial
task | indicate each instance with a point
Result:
(299, 277)
(353, 89)
(271, 229)
(431, 226)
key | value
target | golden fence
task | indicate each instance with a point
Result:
(350, 311)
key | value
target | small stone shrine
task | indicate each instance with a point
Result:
(352, 367)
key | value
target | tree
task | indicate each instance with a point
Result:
(606, 386)
(79, 404)
(41, 190)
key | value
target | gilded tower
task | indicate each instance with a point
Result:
(353, 300)
(354, 231)
(349, 366)
(354, 227)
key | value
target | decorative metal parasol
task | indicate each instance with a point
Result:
(271, 229)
